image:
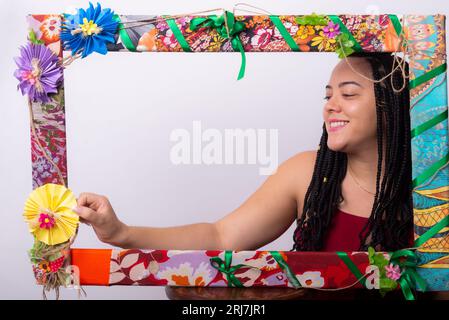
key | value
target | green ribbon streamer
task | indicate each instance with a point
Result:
(443, 223)
(219, 24)
(284, 266)
(397, 26)
(285, 34)
(126, 40)
(178, 35)
(407, 260)
(427, 76)
(429, 172)
(226, 268)
(429, 124)
(352, 267)
(336, 19)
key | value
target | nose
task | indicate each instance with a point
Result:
(332, 105)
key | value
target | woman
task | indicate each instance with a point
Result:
(354, 192)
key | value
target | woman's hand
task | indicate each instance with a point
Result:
(96, 210)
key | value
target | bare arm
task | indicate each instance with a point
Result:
(262, 218)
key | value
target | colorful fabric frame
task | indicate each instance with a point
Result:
(372, 33)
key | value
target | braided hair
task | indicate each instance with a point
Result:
(390, 224)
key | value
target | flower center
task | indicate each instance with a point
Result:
(89, 27)
(46, 220)
(33, 76)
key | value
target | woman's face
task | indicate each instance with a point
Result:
(350, 110)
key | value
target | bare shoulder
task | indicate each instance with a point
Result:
(301, 165)
(298, 170)
(304, 157)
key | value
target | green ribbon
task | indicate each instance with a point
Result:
(427, 76)
(429, 124)
(229, 270)
(226, 268)
(407, 260)
(285, 34)
(178, 35)
(443, 223)
(396, 24)
(397, 27)
(284, 266)
(126, 40)
(429, 172)
(336, 20)
(352, 267)
(222, 26)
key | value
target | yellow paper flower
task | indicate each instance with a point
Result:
(48, 212)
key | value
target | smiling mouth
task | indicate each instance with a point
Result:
(336, 125)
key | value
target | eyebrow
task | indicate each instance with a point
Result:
(341, 84)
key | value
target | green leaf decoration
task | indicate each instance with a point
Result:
(313, 20)
(386, 285)
(33, 39)
(378, 259)
(345, 41)
(344, 45)
(371, 254)
(35, 253)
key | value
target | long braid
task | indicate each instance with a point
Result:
(326, 183)
(391, 219)
(390, 223)
(382, 113)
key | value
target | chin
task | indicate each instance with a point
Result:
(339, 146)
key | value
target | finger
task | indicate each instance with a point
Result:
(87, 214)
(91, 200)
(84, 221)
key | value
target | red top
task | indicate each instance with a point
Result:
(343, 233)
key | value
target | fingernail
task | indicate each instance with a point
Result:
(75, 209)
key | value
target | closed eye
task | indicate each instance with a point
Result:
(344, 95)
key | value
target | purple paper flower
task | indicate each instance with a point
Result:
(331, 30)
(393, 272)
(39, 72)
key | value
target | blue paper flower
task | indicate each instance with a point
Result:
(89, 30)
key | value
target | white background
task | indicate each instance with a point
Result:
(122, 107)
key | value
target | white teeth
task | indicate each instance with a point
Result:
(338, 124)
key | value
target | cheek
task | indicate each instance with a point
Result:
(364, 118)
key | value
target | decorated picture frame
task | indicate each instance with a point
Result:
(421, 38)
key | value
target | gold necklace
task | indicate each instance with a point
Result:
(355, 180)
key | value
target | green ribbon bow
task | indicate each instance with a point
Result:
(407, 260)
(226, 268)
(224, 24)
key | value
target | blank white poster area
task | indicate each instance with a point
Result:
(124, 110)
